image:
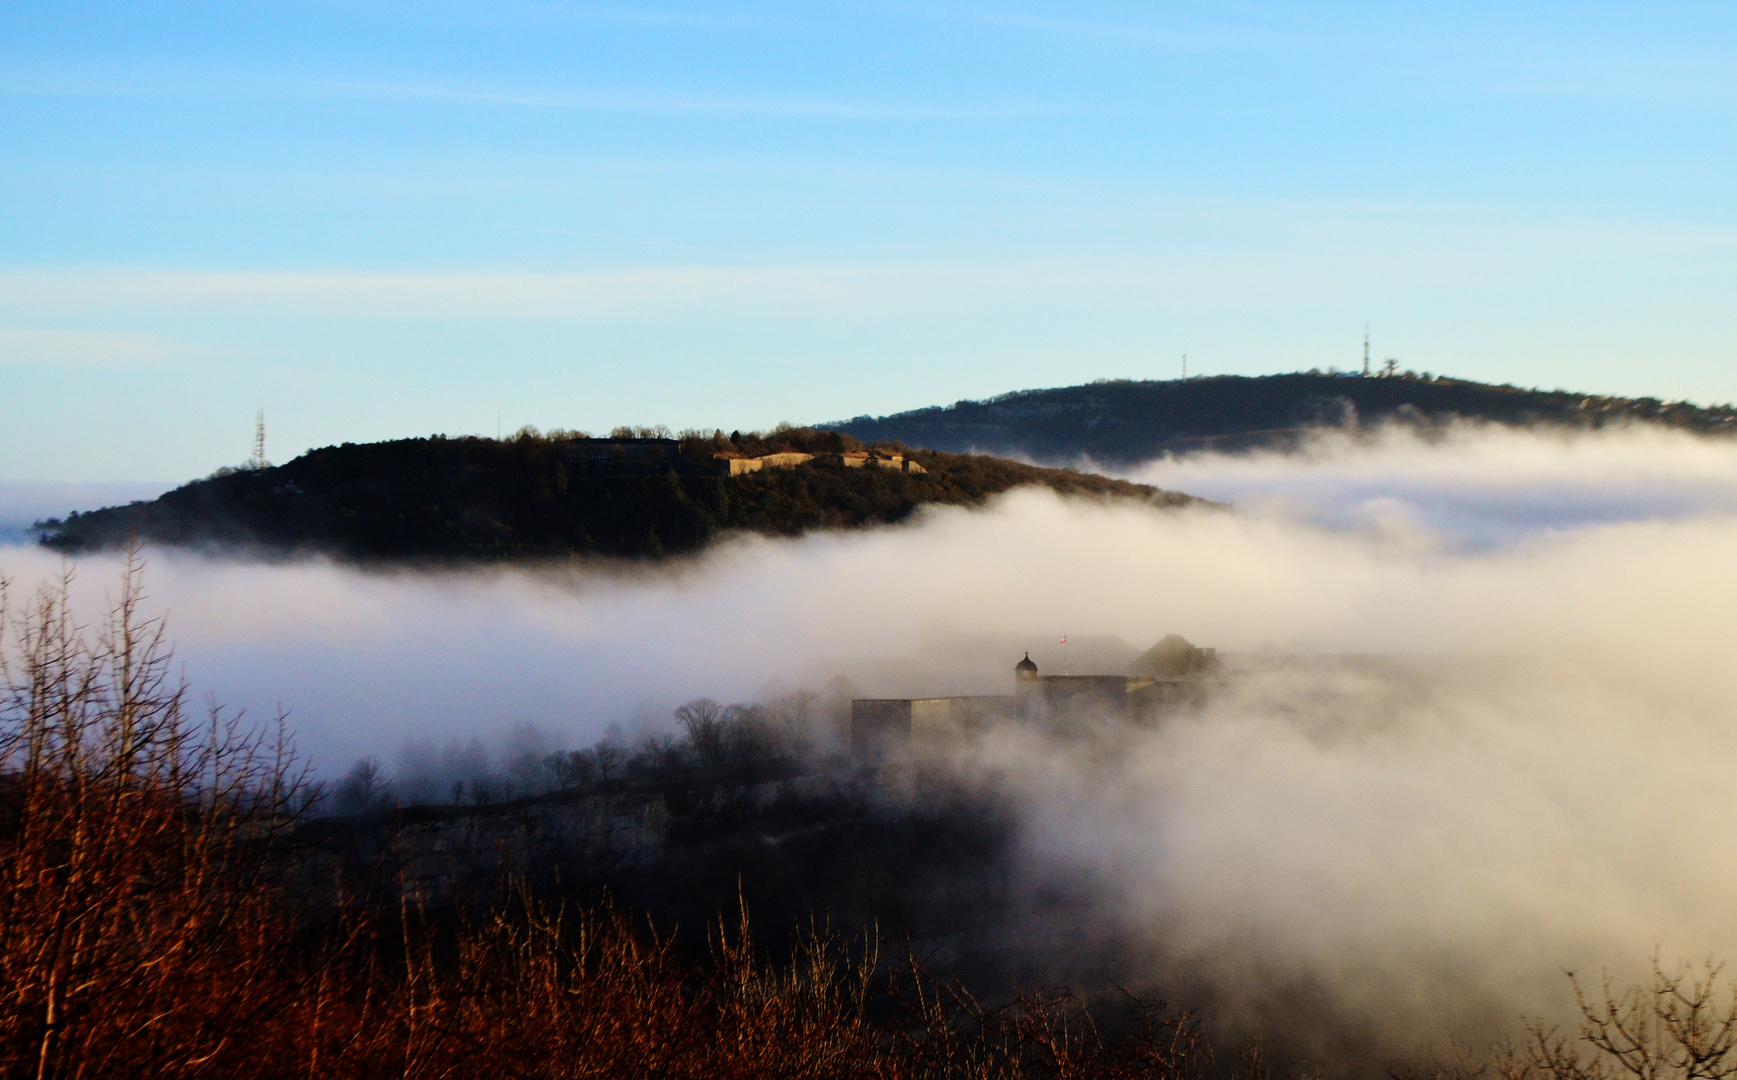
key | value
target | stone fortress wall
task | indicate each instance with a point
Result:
(1171, 676)
(736, 465)
(642, 456)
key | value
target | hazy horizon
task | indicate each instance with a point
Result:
(381, 221)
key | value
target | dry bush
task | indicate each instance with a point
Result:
(139, 923)
(542, 991)
(1676, 1028)
(1043, 1034)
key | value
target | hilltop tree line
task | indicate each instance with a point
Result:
(466, 499)
(1124, 422)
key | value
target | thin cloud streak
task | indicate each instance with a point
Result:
(1285, 251)
(353, 294)
(148, 83)
(1121, 34)
(28, 347)
(707, 105)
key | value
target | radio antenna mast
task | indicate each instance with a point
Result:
(1365, 350)
(259, 438)
(1185, 366)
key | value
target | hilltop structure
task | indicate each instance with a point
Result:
(1170, 676)
(737, 464)
(638, 457)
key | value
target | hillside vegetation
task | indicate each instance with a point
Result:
(484, 499)
(1123, 422)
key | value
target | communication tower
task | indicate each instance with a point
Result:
(1365, 350)
(259, 461)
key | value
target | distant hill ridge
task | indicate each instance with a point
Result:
(1123, 422)
(637, 494)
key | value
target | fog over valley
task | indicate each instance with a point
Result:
(1482, 485)
(1536, 777)
(968, 541)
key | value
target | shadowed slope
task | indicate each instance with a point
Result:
(472, 499)
(1124, 423)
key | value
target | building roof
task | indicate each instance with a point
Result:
(1173, 658)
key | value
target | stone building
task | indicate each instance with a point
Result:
(630, 457)
(1171, 676)
(736, 465)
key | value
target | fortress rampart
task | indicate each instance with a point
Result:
(1169, 677)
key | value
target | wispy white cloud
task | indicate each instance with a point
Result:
(640, 101)
(520, 13)
(72, 347)
(365, 294)
(1489, 55)
(1275, 254)
(828, 290)
(1145, 28)
(137, 81)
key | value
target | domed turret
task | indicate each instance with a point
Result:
(1025, 669)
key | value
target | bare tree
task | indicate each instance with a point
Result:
(522, 757)
(364, 789)
(608, 756)
(702, 720)
(746, 734)
(570, 768)
(1677, 1029)
(135, 867)
(795, 713)
(659, 750)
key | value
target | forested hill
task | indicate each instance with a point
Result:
(1122, 422)
(447, 499)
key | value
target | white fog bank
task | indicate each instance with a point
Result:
(1548, 785)
(1469, 484)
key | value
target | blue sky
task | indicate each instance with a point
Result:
(382, 219)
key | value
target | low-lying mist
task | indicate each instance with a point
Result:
(1508, 747)
(1468, 484)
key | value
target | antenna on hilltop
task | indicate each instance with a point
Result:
(1366, 350)
(1185, 365)
(259, 439)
